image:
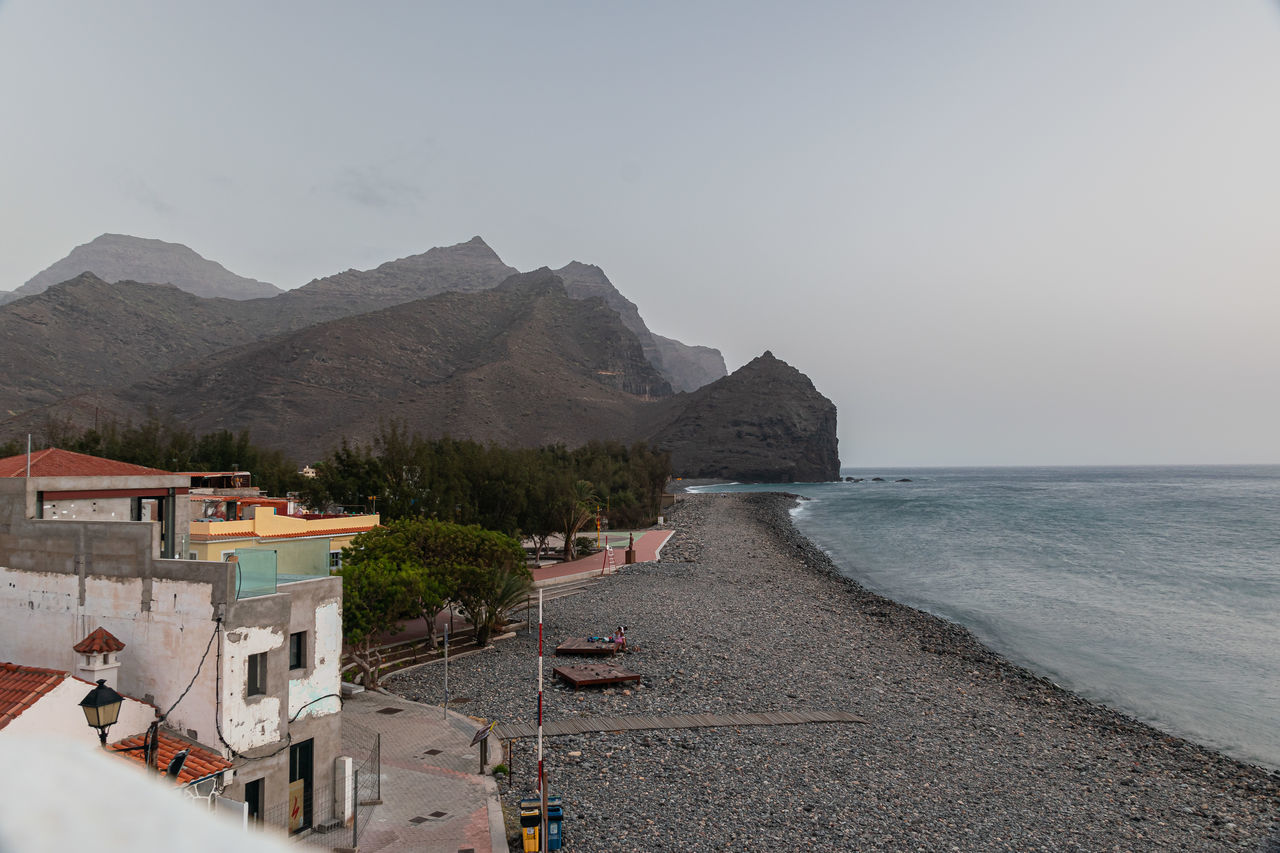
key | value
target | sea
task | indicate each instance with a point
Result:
(1152, 590)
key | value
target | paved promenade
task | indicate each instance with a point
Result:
(648, 545)
(433, 797)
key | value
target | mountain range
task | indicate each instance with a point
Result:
(450, 342)
(116, 257)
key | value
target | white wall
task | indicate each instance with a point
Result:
(250, 721)
(325, 677)
(92, 509)
(41, 619)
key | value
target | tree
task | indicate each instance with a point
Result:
(446, 562)
(578, 504)
(377, 595)
(487, 596)
(492, 578)
(430, 584)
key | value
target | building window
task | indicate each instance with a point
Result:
(335, 560)
(257, 674)
(192, 555)
(298, 650)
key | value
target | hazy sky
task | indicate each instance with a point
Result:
(990, 232)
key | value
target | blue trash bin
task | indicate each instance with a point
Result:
(555, 821)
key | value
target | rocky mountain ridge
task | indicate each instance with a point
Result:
(529, 360)
(521, 364)
(465, 267)
(87, 333)
(686, 367)
(121, 257)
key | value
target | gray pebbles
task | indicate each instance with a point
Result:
(960, 750)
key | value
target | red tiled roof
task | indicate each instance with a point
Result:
(99, 642)
(63, 463)
(22, 686)
(199, 764)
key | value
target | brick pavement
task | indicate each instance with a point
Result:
(434, 798)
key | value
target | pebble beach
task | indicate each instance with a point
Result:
(958, 749)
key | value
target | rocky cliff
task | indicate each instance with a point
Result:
(685, 367)
(765, 422)
(120, 257)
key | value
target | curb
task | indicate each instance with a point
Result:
(497, 826)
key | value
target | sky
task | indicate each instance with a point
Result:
(992, 233)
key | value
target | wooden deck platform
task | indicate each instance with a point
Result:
(591, 674)
(583, 725)
(587, 646)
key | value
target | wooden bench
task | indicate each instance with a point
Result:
(591, 674)
(588, 646)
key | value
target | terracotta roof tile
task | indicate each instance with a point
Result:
(99, 642)
(63, 463)
(200, 762)
(22, 686)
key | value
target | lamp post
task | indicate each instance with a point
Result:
(101, 709)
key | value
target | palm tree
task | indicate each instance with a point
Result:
(578, 506)
(488, 595)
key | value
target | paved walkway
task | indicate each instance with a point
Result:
(433, 796)
(648, 545)
(645, 722)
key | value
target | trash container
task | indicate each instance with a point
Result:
(555, 819)
(531, 824)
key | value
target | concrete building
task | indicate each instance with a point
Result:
(306, 546)
(251, 669)
(68, 486)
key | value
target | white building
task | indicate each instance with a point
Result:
(249, 668)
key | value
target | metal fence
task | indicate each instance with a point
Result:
(319, 820)
(326, 830)
(365, 748)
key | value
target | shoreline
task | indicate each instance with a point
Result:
(961, 747)
(972, 648)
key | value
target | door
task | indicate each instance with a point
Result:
(253, 797)
(300, 755)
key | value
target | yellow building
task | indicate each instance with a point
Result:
(303, 546)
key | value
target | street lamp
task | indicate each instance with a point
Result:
(101, 709)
